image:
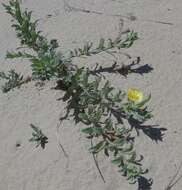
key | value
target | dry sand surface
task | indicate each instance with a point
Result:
(159, 25)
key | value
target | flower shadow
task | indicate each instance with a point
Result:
(152, 131)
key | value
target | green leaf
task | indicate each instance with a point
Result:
(98, 116)
(38, 137)
(101, 44)
(98, 147)
(128, 148)
(146, 100)
(119, 142)
(18, 12)
(108, 124)
(118, 160)
(12, 55)
(83, 116)
(106, 152)
(88, 130)
(98, 130)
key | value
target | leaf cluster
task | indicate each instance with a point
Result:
(45, 62)
(38, 137)
(104, 45)
(103, 110)
(13, 80)
(25, 28)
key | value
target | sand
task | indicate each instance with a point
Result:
(159, 26)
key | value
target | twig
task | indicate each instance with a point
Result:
(97, 165)
(60, 145)
(157, 21)
(62, 148)
(70, 8)
(173, 182)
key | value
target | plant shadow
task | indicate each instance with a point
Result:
(152, 131)
(124, 70)
(144, 183)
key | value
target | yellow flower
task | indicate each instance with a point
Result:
(135, 95)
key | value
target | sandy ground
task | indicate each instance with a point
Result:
(160, 46)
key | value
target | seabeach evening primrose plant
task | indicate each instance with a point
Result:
(90, 99)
